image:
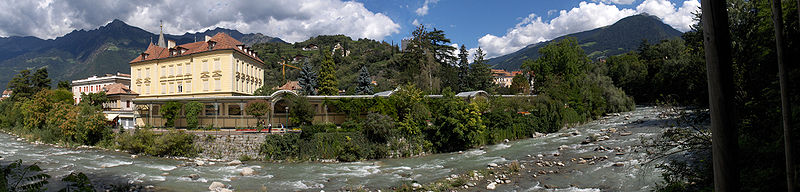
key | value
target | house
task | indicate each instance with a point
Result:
(95, 84)
(120, 108)
(6, 94)
(502, 78)
(310, 47)
(289, 85)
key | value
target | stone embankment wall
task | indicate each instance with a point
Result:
(229, 147)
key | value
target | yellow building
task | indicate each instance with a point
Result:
(218, 66)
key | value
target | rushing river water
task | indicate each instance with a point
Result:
(109, 166)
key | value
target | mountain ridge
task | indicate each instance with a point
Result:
(82, 53)
(623, 36)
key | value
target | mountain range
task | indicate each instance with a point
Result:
(623, 36)
(81, 53)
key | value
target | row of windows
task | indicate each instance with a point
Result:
(88, 88)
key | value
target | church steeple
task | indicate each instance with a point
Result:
(161, 41)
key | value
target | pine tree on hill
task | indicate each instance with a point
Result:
(480, 73)
(328, 85)
(364, 82)
(40, 79)
(307, 80)
(463, 69)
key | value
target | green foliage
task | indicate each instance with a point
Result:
(480, 75)
(193, 110)
(258, 108)
(308, 80)
(145, 141)
(18, 177)
(40, 79)
(378, 128)
(458, 124)
(364, 82)
(64, 85)
(94, 99)
(170, 111)
(301, 112)
(328, 85)
(264, 90)
(520, 84)
(21, 86)
(78, 183)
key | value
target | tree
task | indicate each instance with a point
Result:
(307, 80)
(193, 110)
(364, 82)
(480, 73)
(170, 111)
(257, 108)
(463, 70)
(94, 99)
(21, 85)
(64, 85)
(300, 110)
(520, 84)
(377, 127)
(18, 177)
(328, 85)
(40, 79)
(564, 59)
(459, 124)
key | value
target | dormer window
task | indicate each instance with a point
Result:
(211, 45)
(144, 56)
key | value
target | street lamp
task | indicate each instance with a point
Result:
(287, 115)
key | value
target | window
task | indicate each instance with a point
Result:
(138, 73)
(217, 84)
(147, 72)
(147, 88)
(156, 109)
(188, 69)
(128, 104)
(163, 88)
(188, 86)
(205, 65)
(217, 65)
(205, 85)
(234, 110)
(171, 87)
(180, 70)
(163, 71)
(171, 70)
(180, 88)
(211, 110)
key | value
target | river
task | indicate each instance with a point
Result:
(166, 174)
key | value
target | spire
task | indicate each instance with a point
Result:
(161, 41)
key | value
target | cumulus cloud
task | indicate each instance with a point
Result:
(292, 21)
(586, 16)
(621, 2)
(422, 11)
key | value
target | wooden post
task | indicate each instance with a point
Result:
(777, 19)
(720, 94)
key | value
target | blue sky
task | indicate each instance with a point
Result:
(499, 27)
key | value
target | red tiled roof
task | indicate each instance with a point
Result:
(222, 40)
(290, 85)
(118, 88)
(7, 92)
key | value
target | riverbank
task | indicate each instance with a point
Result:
(600, 146)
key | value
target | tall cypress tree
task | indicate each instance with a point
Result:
(308, 80)
(328, 85)
(364, 82)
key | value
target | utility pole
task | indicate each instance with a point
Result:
(777, 19)
(717, 44)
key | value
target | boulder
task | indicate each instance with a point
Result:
(193, 176)
(215, 186)
(491, 186)
(537, 134)
(199, 163)
(234, 163)
(625, 133)
(416, 185)
(619, 164)
(505, 141)
(576, 132)
(492, 164)
(164, 174)
(134, 156)
(563, 147)
(565, 134)
(582, 161)
(247, 171)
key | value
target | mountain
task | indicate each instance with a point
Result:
(623, 36)
(81, 53)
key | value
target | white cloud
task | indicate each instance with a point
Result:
(292, 21)
(415, 22)
(422, 11)
(533, 30)
(681, 18)
(621, 2)
(586, 16)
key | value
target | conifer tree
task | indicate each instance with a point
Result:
(480, 73)
(364, 82)
(307, 80)
(328, 84)
(40, 79)
(463, 69)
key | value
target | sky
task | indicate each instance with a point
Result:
(497, 26)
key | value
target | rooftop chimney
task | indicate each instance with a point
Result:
(170, 43)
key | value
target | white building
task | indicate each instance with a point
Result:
(95, 84)
(119, 108)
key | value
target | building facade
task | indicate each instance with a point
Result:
(95, 84)
(119, 108)
(218, 66)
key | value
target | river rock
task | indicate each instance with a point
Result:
(505, 141)
(582, 161)
(576, 132)
(619, 164)
(247, 171)
(563, 147)
(164, 174)
(492, 164)
(537, 134)
(625, 133)
(134, 156)
(193, 176)
(491, 186)
(199, 163)
(612, 130)
(416, 185)
(234, 163)
(565, 134)
(215, 186)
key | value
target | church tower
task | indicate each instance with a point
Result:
(161, 41)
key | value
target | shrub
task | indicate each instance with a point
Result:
(377, 128)
(170, 111)
(258, 108)
(300, 111)
(172, 143)
(193, 110)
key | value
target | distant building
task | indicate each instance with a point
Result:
(503, 78)
(310, 47)
(95, 84)
(404, 44)
(6, 94)
(120, 108)
(290, 85)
